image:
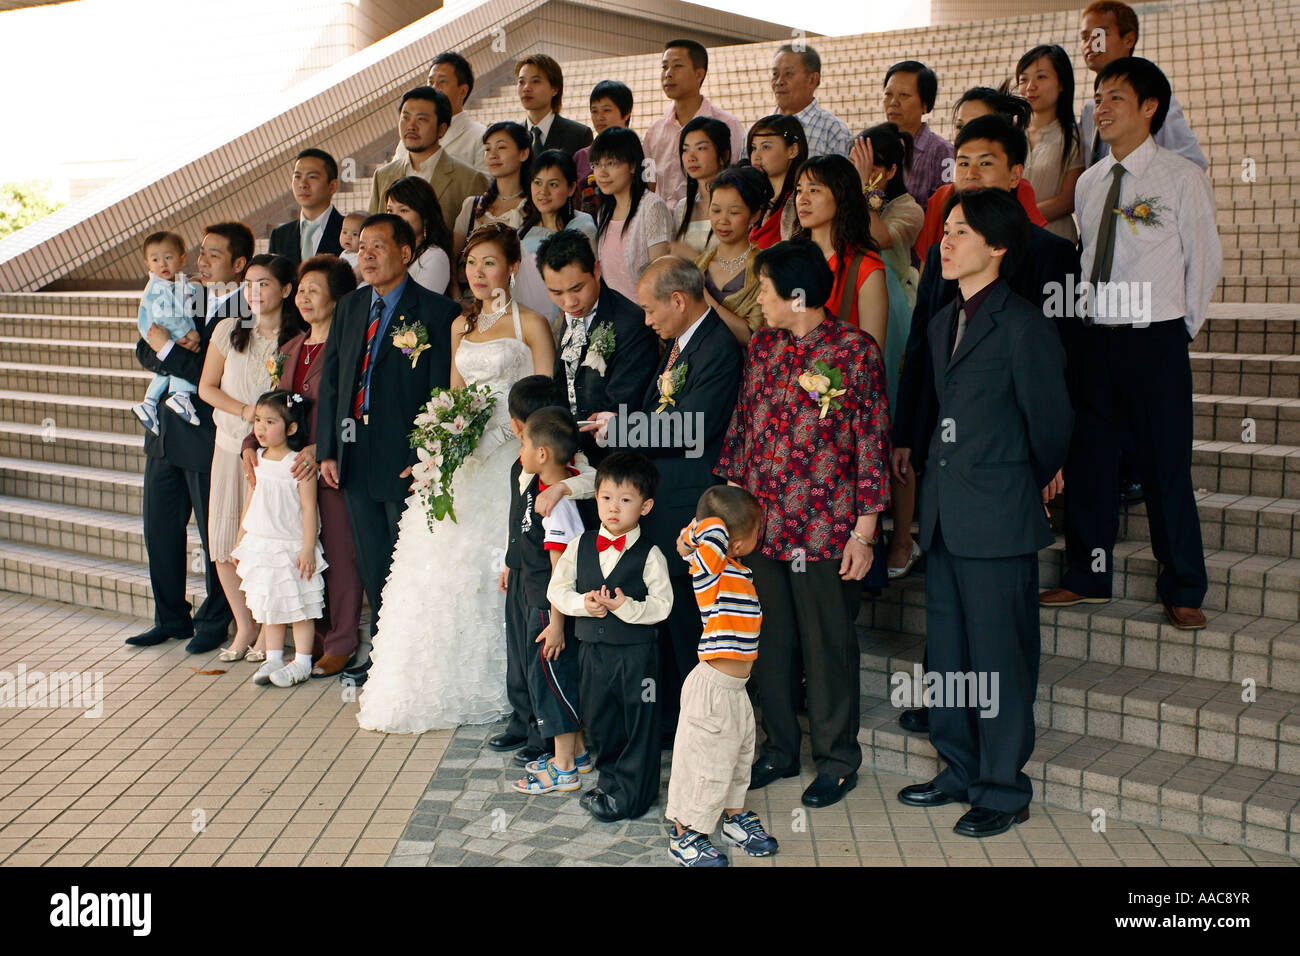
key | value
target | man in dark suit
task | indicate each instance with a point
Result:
(683, 416)
(370, 395)
(541, 89)
(316, 230)
(589, 380)
(1006, 420)
(991, 154)
(178, 460)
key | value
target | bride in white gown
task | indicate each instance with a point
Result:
(439, 650)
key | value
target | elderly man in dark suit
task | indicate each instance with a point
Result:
(178, 460)
(317, 228)
(679, 425)
(1005, 423)
(369, 397)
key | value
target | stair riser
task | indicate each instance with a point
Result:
(1229, 423)
(118, 357)
(1226, 530)
(1235, 473)
(70, 451)
(87, 384)
(87, 417)
(95, 329)
(1228, 377)
(86, 304)
(114, 544)
(89, 590)
(108, 496)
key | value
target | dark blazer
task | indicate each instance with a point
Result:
(1004, 390)
(628, 372)
(1050, 259)
(568, 135)
(180, 443)
(286, 239)
(397, 391)
(713, 368)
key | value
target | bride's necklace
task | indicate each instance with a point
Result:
(733, 264)
(488, 319)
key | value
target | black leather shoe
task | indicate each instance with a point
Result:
(764, 773)
(156, 635)
(827, 790)
(601, 805)
(506, 742)
(205, 641)
(355, 675)
(927, 795)
(1131, 493)
(528, 754)
(917, 721)
(986, 822)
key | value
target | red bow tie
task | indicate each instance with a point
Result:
(616, 543)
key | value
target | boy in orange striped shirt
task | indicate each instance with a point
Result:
(714, 746)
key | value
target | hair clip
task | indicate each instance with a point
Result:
(293, 399)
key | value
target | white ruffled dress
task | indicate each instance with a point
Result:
(268, 554)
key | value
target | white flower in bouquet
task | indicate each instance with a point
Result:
(426, 418)
(444, 401)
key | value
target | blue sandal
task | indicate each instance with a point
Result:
(562, 780)
(581, 763)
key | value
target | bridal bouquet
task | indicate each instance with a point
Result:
(446, 433)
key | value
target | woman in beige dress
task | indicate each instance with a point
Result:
(237, 370)
(1046, 79)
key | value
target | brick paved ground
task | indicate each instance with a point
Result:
(198, 770)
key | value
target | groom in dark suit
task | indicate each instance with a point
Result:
(590, 380)
(370, 394)
(178, 460)
(694, 386)
(1005, 428)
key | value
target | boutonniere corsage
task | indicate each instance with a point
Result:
(875, 193)
(825, 386)
(600, 346)
(670, 383)
(275, 367)
(412, 339)
(1144, 210)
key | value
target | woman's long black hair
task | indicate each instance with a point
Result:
(1064, 69)
(851, 224)
(517, 133)
(620, 143)
(291, 320)
(415, 193)
(550, 159)
(720, 136)
(891, 146)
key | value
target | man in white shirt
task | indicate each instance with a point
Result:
(316, 230)
(795, 78)
(685, 64)
(1109, 30)
(451, 75)
(1152, 258)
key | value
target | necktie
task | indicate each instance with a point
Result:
(308, 233)
(961, 330)
(673, 355)
(537, 141)
(603, 543)
(1105, 254)
(362, 401)
(575, 337)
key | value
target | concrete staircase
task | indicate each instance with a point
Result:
(1197, 731)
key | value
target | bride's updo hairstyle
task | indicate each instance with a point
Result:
(506, 241)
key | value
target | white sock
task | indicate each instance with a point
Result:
(302, 660)
(277, 656)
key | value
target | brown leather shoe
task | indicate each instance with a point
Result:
(328, 665)
(1061, 597)
(1185, 618)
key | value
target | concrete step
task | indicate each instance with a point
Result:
(1257, 585)
(87, 383)
(1135, 705)
(69, 411)
(95, 533)
(1244, 418)
(71, 446)
(84, 304)
(1246, 468)
(1235, 373)
(1235, 522)
(1250, 328)
(1232, 647)
(85, 580)
(119, 492)
(1139, 784)
(74, 353)
(70, 328)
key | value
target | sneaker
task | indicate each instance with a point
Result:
(745, 831)
(180, 403)
(263, 675)
(581, 763)
(294, 672)
(147, 412)
(695, 849)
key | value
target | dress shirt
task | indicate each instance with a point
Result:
(663, 145)
(659, 589)
(970, 307)
(827, 133)
(1181, 259)
(385, 319)
(1175, 135)
(685, 337)
(929, 150)
(319, 222)
(464, 141)
(544, 126)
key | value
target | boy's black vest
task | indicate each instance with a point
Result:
(628, 574)
(516, 517)
(528, 536)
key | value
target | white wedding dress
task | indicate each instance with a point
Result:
(439, 650)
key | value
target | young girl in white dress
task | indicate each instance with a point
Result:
(439, 655)
(278, 554)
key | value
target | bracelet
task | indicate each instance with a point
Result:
(869, 542)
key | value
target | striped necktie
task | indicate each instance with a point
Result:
(362, 401)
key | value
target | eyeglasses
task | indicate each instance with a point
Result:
(608, 165)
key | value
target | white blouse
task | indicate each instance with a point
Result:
(432, 270)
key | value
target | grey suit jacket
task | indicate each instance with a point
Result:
(452, 182)
(1004, 428)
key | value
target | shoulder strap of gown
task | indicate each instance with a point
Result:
(514, 311)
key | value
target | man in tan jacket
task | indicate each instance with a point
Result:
(422, 120)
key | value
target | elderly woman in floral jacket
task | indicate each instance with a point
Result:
(809, 438)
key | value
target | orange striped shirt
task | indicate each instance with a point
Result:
(724, 590)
